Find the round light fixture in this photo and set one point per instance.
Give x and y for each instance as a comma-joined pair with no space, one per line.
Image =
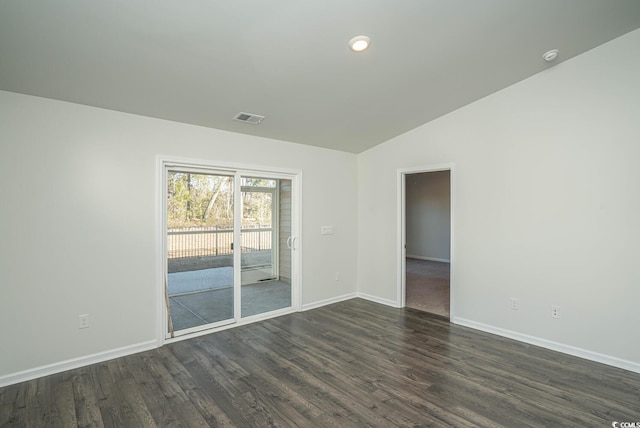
551,55
359,43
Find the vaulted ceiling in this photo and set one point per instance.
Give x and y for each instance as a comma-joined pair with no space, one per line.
203,61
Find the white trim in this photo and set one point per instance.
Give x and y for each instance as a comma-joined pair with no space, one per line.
193,331
275,235
74,363
296,232
228,167
161,259
401,295
401,292
238,210
99,357
549,344
349,296
329,301
429,259
376,299
242,321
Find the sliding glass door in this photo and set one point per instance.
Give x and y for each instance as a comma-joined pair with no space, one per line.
265,223
229,245
200,263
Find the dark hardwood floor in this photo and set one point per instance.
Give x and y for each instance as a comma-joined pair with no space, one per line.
350,364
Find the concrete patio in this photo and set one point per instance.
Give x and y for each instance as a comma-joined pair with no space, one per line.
201,289
205,307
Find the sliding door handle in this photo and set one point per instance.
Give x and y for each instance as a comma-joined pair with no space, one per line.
293,242
289,243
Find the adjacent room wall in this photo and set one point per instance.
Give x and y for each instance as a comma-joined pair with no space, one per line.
428,215
78,222
546,204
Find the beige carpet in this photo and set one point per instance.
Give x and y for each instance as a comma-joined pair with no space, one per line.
428,286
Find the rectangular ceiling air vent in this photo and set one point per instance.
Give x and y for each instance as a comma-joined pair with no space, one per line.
253,119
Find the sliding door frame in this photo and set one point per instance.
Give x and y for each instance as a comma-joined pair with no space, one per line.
237,170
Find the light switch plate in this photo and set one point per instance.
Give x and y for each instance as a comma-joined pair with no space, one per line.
326,230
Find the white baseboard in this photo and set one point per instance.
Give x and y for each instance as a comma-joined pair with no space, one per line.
329,301
74,363
349,296
377,299
430,259
99,357
549,344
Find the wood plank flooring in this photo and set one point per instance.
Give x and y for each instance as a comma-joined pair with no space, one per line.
351,364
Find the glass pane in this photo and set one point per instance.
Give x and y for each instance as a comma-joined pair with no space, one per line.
258,182
199,249
266,257
257,235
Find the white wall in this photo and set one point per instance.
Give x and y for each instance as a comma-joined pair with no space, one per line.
546,209
77,222
428,215
546,204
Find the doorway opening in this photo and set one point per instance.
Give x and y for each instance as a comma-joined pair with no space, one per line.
223,256
426,235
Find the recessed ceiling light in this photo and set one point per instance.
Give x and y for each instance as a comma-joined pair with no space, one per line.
359,43
551,55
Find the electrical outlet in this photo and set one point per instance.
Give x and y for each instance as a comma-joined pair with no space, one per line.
555,311
337,276
514,304
83,321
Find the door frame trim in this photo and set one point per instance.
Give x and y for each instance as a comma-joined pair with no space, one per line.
401,291
295,175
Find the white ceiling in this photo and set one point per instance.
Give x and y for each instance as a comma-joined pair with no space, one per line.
203,61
